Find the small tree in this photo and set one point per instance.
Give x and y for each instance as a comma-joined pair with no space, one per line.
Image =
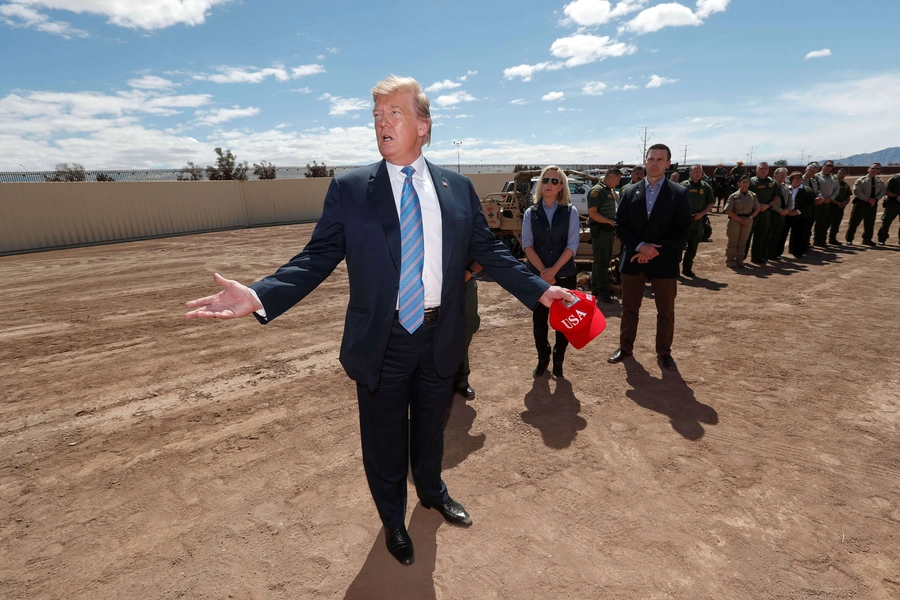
191,172
104,177
780,163
317,170
264,170
518,168
227,168
66,173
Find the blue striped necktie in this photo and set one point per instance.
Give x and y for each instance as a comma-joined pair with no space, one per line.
412,248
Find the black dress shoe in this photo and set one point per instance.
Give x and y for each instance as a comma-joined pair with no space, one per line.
400,545
882,243
618,356
687,273
835,243
541,367
557,370
466,391
870,243
606,298
666,362
453,512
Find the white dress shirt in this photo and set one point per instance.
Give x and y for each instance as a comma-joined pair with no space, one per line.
433,270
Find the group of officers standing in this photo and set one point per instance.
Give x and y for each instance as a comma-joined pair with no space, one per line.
766,215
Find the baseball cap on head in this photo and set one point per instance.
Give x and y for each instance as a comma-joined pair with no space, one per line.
580,321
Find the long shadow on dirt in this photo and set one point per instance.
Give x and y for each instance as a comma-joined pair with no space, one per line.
670,396
458,442
383,578
554,414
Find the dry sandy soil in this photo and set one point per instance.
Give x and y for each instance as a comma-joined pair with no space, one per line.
146,456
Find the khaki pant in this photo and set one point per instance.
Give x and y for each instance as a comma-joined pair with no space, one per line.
737,241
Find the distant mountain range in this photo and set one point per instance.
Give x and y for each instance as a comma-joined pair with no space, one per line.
885,157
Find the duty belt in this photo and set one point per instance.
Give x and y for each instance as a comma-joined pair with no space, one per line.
745,215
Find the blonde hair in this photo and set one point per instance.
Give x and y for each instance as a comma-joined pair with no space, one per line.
563,197
393,84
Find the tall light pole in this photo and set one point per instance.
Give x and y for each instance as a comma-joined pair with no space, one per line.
457,144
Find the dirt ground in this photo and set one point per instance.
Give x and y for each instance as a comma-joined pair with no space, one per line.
146,456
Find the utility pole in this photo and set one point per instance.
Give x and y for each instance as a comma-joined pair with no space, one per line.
685,155
458,144
801,155
750,158
645,137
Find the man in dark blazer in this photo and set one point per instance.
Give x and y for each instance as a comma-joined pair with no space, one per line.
653,223
403,369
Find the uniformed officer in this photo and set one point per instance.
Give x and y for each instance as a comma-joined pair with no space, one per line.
781,208
719,178
637,176
808,218
828,191
472,324
741,207
891,208
738,171
702,200
837,207
764,187
602,215
867,191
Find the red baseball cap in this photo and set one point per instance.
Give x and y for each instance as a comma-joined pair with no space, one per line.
580,321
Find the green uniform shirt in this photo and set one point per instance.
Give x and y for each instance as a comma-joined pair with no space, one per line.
700,193
604,200
763,188
893,184
738,172
845,192
720,172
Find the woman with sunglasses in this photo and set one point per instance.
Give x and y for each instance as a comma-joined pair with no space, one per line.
550,233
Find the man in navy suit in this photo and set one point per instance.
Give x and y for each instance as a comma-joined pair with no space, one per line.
403,365
653,222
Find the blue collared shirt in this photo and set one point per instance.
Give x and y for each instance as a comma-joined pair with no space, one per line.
574,227
652,193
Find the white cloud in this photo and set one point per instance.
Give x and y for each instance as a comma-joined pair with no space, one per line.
858,98
626,87
146,14
518,102
588,13
320,57
553,96
526,72
17,15
151,82
341,106
442,85
462,117
333,50
626,7
818,54
303,90
593,88
254,75
221,115
708,7
582,49
671,14
306,70
454,98
657,81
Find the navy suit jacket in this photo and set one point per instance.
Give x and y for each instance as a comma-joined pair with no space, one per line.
360,223
668,225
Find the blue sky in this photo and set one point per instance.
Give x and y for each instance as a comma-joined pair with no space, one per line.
156,83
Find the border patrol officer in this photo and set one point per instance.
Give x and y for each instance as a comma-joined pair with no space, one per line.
702,200
602,215
891,208
764,187
828,191
867,191
837,207
741,207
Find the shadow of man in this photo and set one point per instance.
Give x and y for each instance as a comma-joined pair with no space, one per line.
702,282
670,396
458,443
383,578
554,414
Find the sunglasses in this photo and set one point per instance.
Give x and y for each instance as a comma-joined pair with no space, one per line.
828,165
552,180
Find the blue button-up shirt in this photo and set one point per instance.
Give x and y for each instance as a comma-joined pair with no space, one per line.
651,193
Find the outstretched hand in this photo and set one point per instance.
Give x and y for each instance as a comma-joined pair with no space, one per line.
234,301
554,292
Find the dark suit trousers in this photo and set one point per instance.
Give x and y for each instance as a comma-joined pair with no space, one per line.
664,291
402,423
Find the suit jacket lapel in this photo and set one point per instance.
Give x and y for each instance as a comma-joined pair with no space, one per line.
640,201
448,216
381,196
